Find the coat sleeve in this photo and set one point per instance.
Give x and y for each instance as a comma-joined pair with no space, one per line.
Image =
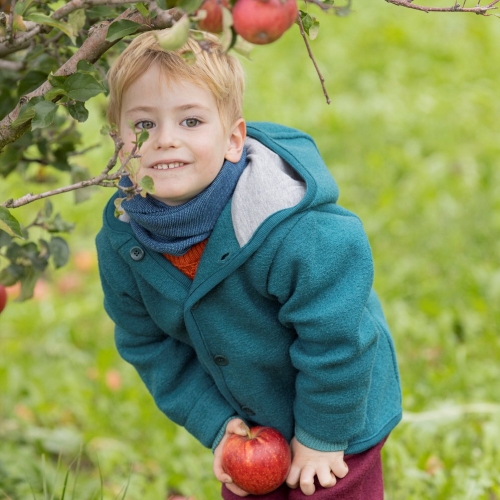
168,367
322,276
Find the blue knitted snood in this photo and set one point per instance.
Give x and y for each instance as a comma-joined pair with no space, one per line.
175,229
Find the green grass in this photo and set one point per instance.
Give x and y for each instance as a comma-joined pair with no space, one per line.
412,137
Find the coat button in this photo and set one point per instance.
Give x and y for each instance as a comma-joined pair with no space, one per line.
220,360
248,410
195,305
137,253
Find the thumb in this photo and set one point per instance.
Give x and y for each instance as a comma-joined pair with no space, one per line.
237,426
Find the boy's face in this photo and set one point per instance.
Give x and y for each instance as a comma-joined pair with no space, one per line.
187,143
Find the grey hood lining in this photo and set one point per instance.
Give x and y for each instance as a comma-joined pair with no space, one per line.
267,185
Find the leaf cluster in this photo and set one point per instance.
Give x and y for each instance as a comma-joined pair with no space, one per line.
26,261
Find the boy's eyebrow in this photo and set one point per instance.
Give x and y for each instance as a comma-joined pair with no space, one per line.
182,107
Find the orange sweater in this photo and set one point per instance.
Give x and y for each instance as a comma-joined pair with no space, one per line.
188,263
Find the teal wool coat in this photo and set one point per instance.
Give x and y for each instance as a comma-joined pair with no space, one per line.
280,325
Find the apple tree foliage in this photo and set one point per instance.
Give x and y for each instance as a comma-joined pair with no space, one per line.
53,58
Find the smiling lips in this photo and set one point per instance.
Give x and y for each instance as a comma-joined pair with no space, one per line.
167,166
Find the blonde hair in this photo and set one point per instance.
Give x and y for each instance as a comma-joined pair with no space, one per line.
220,72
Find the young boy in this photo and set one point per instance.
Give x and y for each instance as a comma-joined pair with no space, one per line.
240,290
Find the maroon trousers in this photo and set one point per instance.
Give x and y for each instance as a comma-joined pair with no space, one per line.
363,482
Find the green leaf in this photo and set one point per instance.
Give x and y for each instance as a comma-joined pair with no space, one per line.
59,251
48,208
189,6
228,37
28,282
147,184
57,81
78,111
314,30
189,56
119,29
9,223
21,7
76,20
5,239
26,114
82,86
11,275
31,81
45,112
310,24
84,66
142,138
118,207
39,18
143,10
59,225
175,37
54,93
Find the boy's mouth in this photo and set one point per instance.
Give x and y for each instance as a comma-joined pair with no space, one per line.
167,166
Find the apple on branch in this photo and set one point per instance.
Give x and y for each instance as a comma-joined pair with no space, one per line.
263,21
212,22
258,462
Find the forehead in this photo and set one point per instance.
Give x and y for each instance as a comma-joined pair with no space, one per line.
155,87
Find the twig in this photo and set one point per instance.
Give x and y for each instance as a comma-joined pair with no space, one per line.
309,51
478,9
10,22
104,179
83,151
11,65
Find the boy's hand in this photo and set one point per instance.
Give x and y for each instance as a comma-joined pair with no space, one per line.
307,463
235,426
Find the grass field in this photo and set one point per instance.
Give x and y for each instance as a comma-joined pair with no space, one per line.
412,138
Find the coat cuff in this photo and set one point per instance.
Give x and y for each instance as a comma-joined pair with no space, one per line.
314,443
222,430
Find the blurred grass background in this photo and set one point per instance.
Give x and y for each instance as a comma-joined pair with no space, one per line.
412,138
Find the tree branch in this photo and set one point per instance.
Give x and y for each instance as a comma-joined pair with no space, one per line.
481,10
91,50
104,179
309,51
11,65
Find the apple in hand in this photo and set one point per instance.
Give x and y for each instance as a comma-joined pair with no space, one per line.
213,20
3,298
258,462
263,21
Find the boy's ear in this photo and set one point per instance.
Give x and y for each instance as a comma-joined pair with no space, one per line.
237,137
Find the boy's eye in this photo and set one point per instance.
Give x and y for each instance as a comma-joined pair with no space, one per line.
144,125
191,122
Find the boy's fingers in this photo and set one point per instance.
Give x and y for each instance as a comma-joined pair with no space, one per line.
236,490
326,478
292,480
307,480
340,470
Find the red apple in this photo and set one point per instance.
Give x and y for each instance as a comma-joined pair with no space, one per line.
3,298
213,19
258,462
263,21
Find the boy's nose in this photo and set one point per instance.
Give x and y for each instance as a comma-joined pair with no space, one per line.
165,138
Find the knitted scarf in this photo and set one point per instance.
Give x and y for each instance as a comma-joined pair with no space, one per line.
175,229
